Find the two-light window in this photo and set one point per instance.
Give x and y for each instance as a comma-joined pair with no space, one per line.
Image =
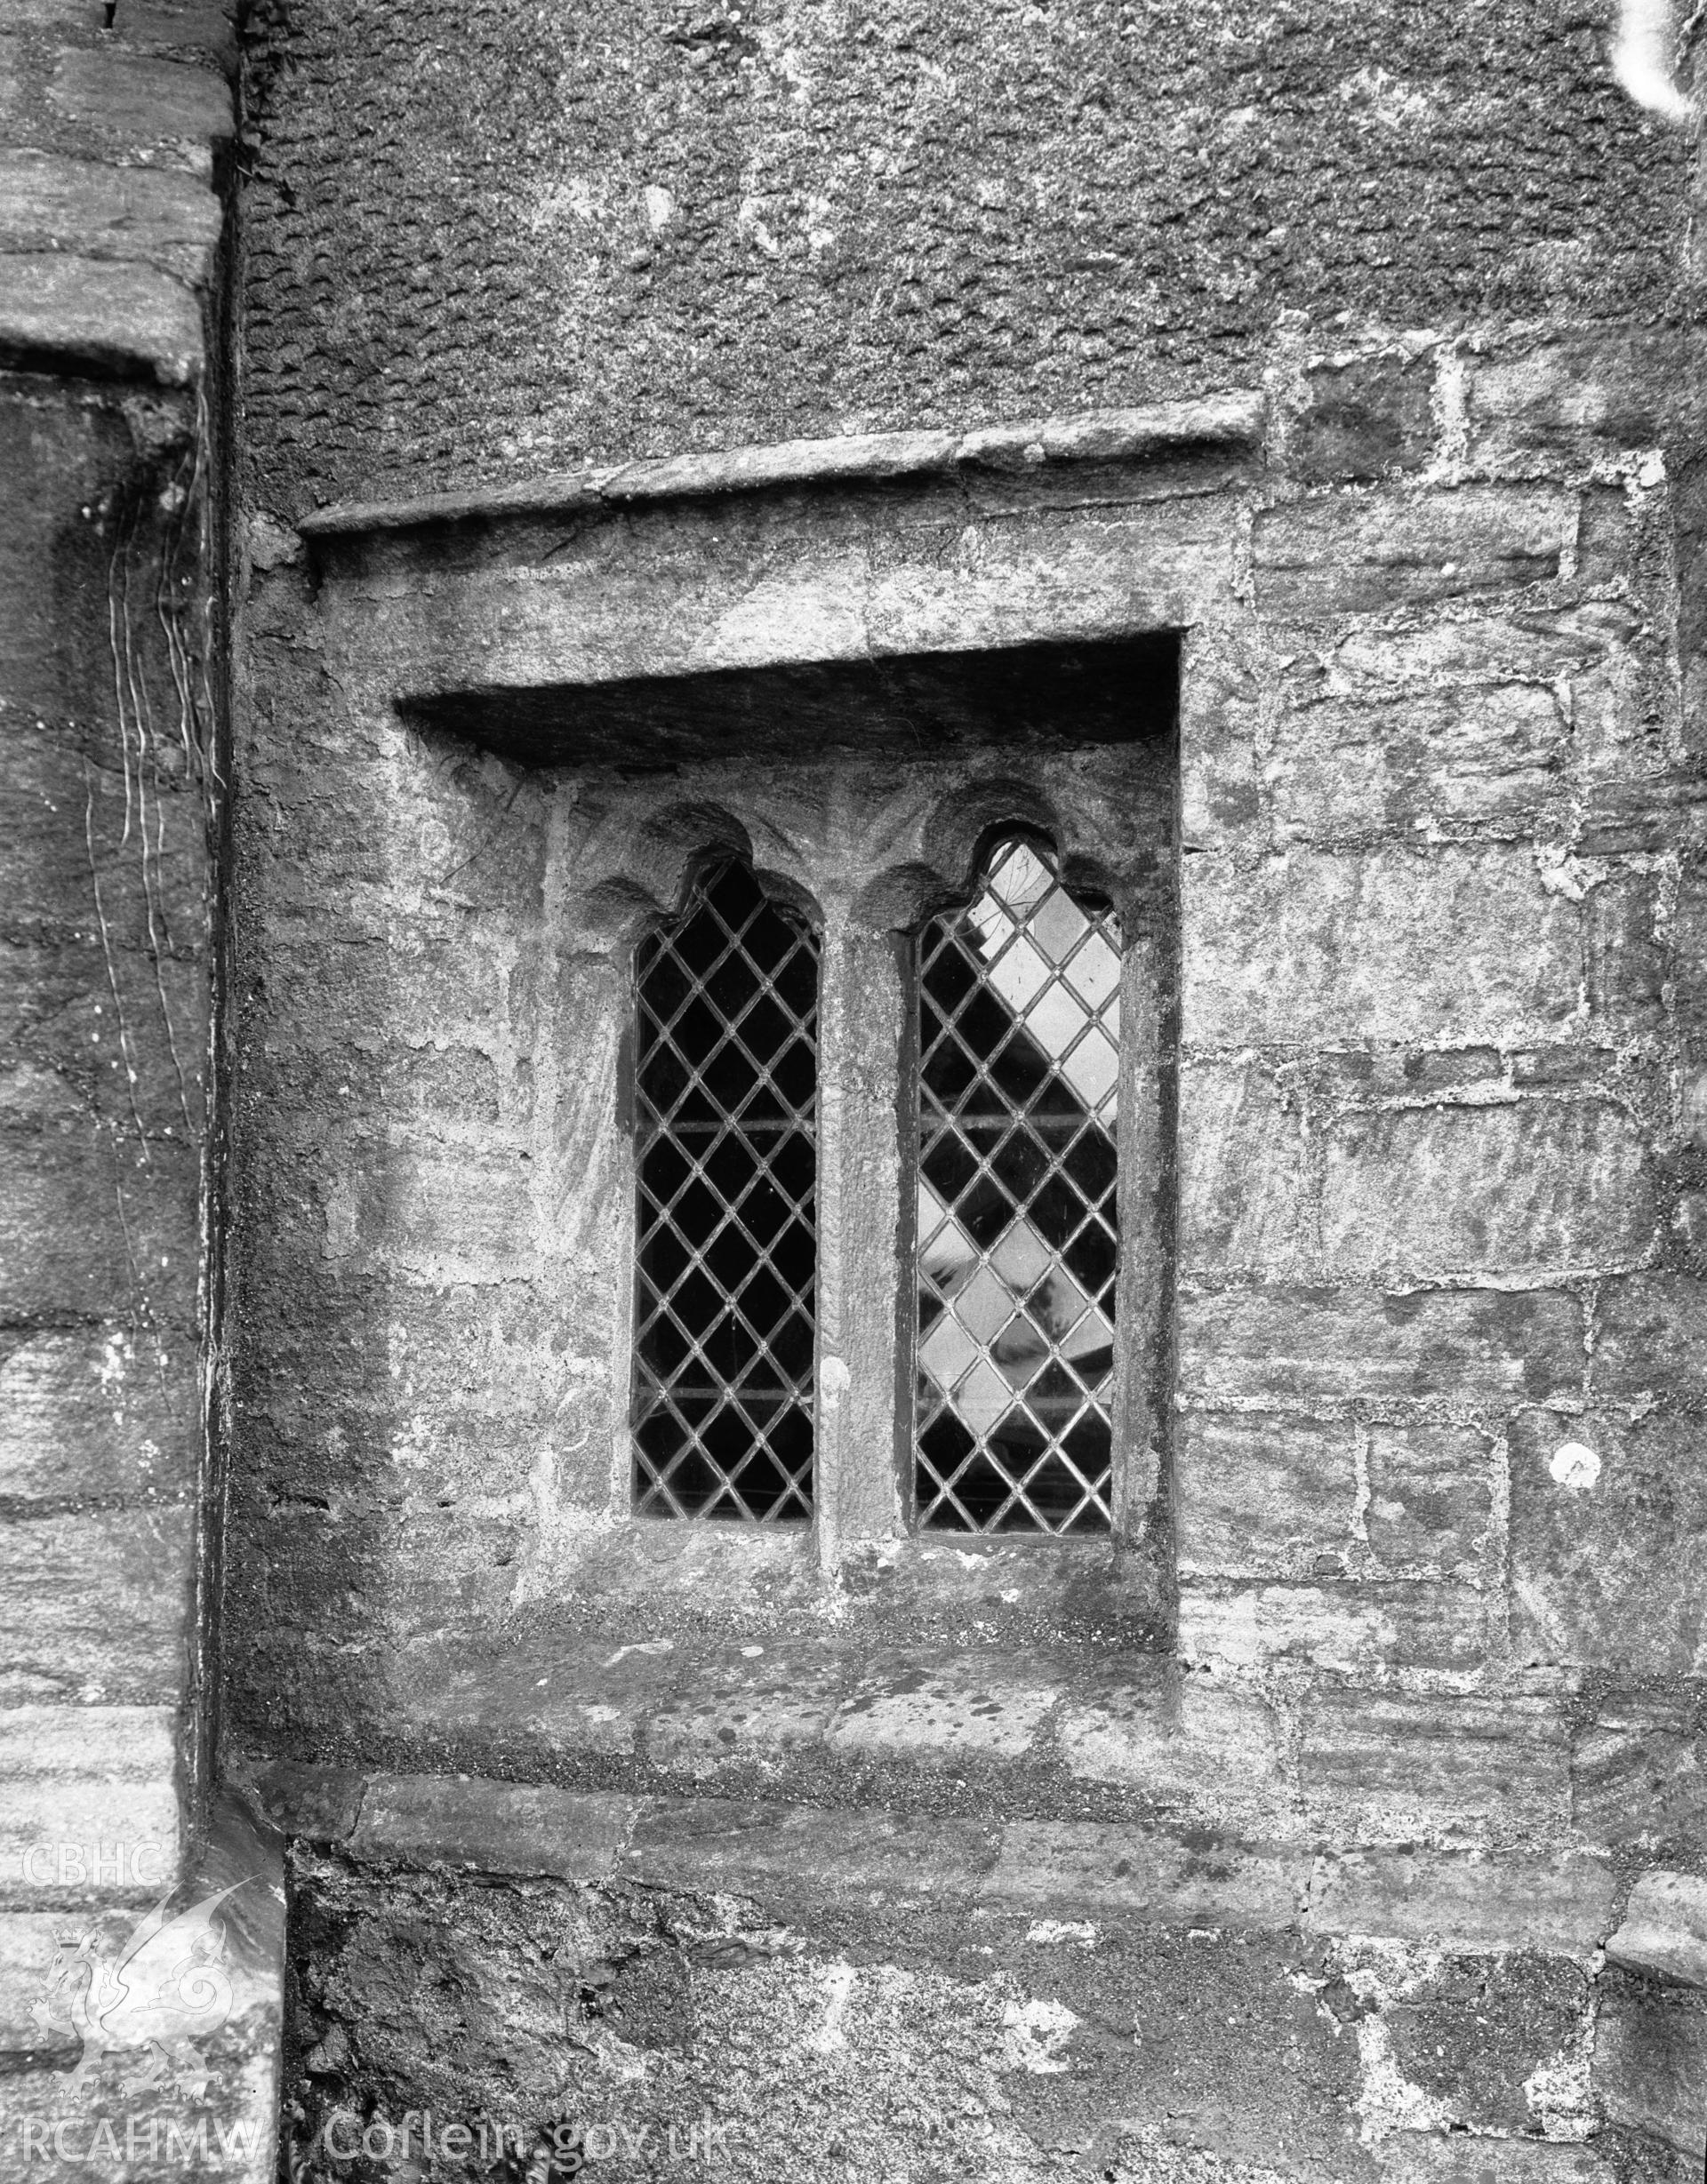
1009,1112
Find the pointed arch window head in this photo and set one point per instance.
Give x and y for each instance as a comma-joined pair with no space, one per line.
725,1114
1018,1031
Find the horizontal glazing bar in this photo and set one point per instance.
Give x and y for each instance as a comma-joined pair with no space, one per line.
654,1127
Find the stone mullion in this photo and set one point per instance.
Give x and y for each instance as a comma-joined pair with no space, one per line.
860,1019
1145,1188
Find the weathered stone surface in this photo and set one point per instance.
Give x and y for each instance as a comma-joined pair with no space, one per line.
1664,1929
1336,1625
1163,436
323,1804
822,1856
1477,1347
1609,1542
1592,394
1626,964
1638,1775
133,100
1458,645
492,1826
1490,758
88,1225
1610,545
1430,1499
586,1700
1200,1743
157,217
1263,1494
95,1413
964,1711
740,1708
486,1395
72,1837
79,867
105,691
65,458
178,26
1318,559
761,2026
1364,416
1590,228
1688,497
97,1606
1392,1767
63,16
1493,2042
57,1015
1467,1900
1219,796
1650,1338
104,317
1537,1188
1650,2066
1232,2069
1689,941
1242,1173
1141,1873
1453,945
1428,2157
676,591
448,1214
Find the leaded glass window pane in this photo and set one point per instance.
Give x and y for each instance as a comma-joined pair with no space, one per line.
725,1081
1019,1025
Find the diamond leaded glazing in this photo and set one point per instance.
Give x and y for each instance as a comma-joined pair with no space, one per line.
727,1158
1019,1059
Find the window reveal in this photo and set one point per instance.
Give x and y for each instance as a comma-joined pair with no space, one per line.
1019,1028
726,1084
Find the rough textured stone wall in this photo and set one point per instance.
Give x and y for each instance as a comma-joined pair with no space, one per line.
938,2003
487,238
109,222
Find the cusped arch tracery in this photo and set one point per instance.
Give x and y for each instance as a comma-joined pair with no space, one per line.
884,847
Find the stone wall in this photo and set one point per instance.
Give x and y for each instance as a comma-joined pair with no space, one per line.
485,242
1425,1695
1357,1831
111,125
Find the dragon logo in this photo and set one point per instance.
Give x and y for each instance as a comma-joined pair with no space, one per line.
163,1990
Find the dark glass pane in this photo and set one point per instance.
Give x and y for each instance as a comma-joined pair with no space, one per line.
948,1164
726,1159
733,986
949,1072
1089,1161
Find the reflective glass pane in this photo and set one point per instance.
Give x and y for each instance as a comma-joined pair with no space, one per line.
1019,1001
